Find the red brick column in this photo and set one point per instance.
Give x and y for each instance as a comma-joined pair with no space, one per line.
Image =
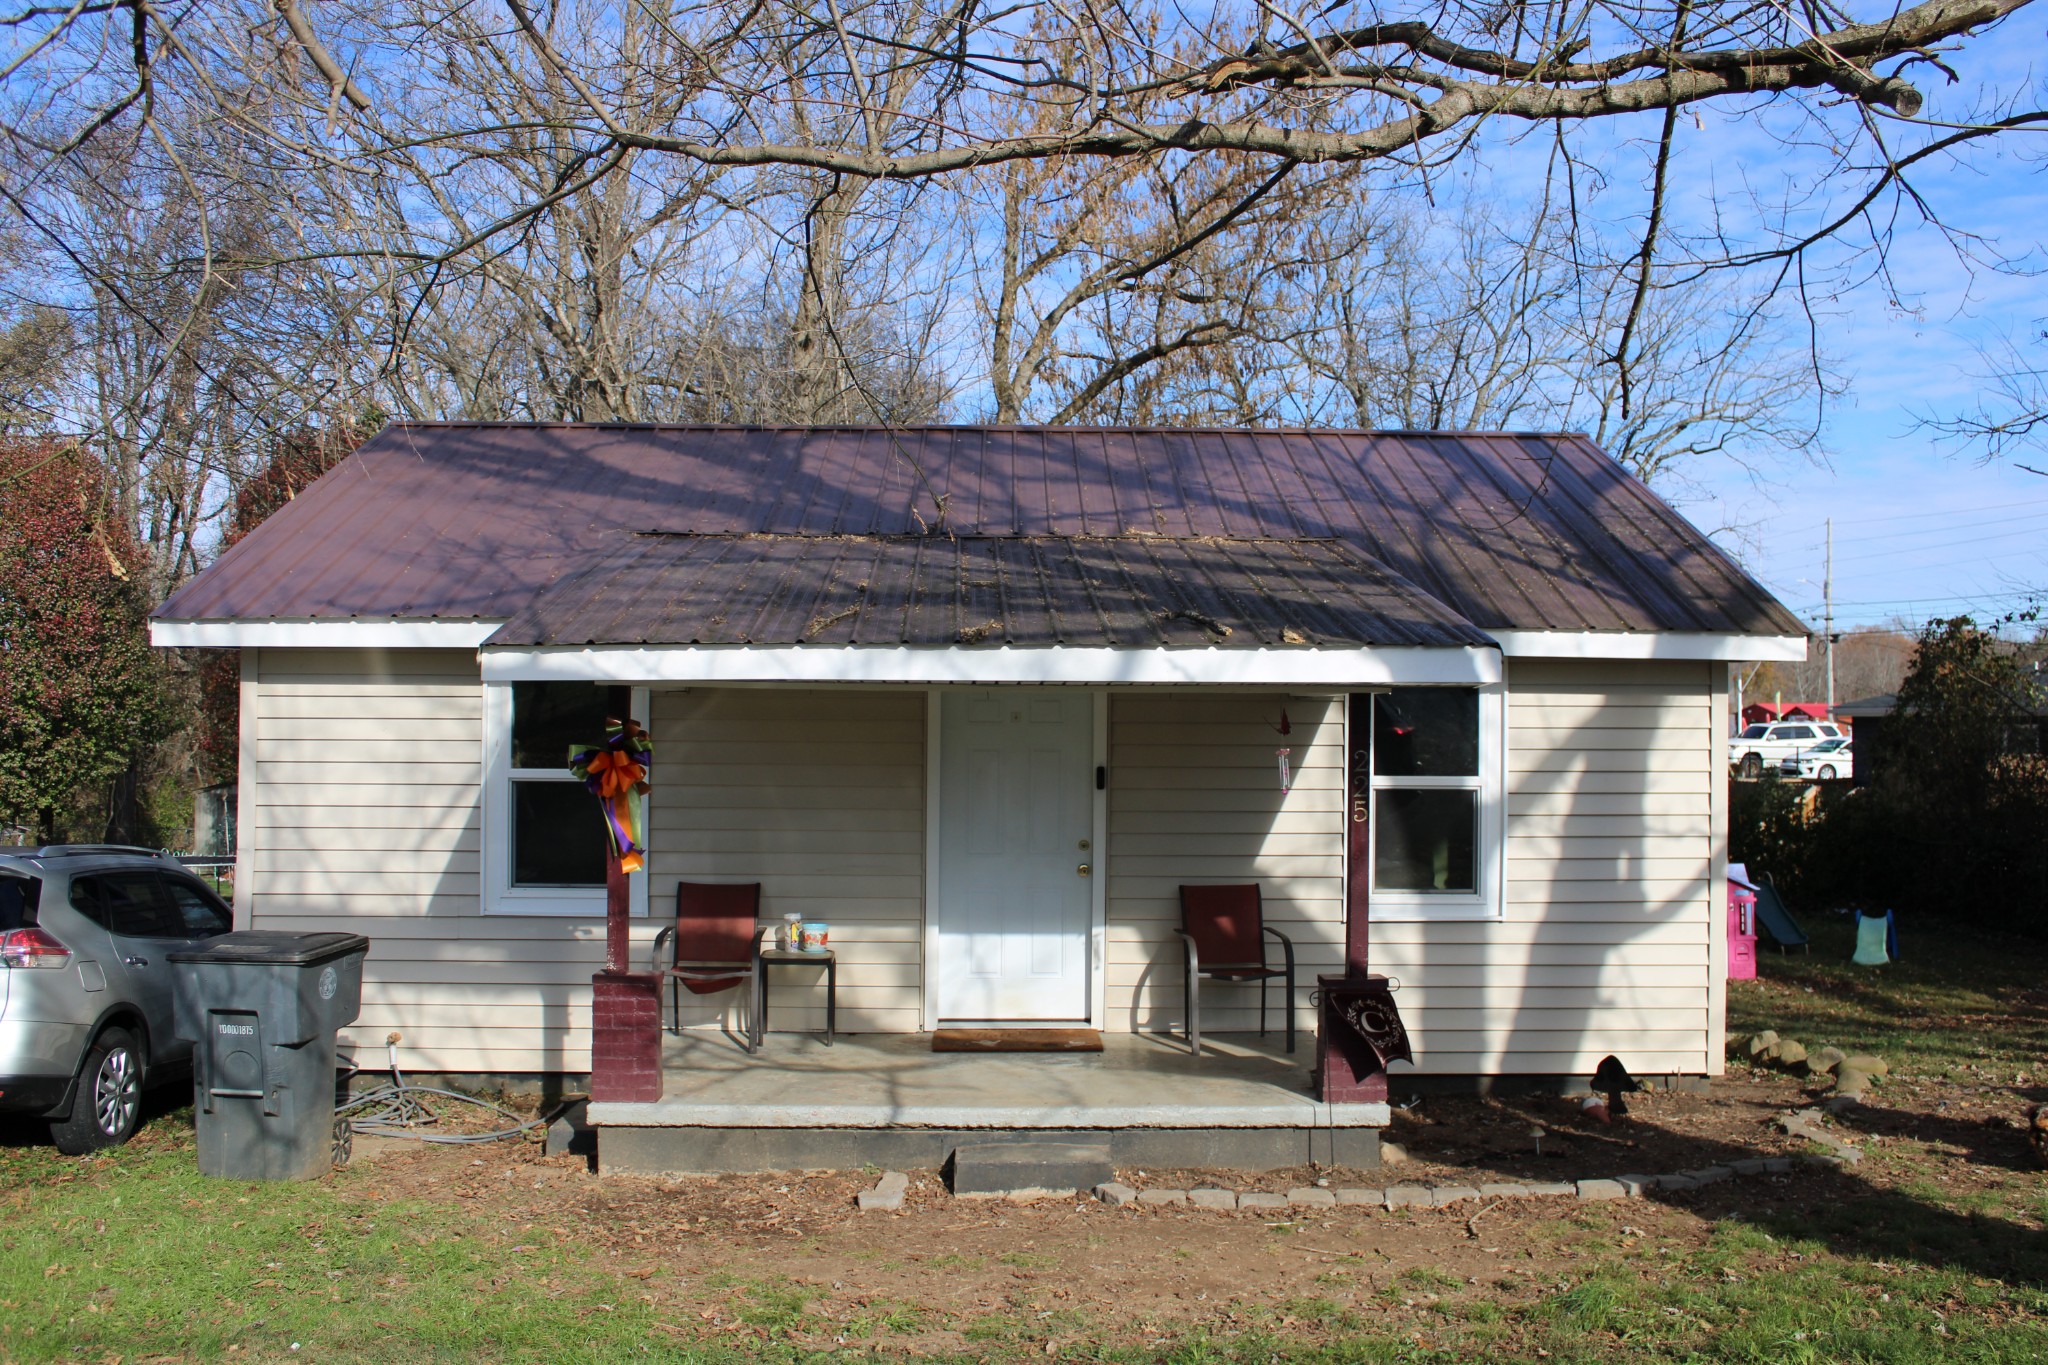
625,1037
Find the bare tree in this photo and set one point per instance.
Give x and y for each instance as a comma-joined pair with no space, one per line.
898,90
1456,322
2011,414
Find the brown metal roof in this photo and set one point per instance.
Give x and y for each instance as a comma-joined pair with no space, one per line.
1534,532
1128,592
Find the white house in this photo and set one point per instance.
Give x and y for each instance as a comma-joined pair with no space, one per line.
982,698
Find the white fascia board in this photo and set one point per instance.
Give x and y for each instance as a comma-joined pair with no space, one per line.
1098,667
350,634
1614,644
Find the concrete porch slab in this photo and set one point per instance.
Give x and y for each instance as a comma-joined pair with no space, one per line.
895,1081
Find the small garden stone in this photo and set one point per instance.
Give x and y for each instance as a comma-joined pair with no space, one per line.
887,1195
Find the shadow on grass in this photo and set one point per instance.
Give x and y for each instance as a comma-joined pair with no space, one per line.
1856,1219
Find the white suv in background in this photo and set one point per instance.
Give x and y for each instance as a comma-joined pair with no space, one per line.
1770,743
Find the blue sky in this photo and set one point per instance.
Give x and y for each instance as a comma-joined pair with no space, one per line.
1921,529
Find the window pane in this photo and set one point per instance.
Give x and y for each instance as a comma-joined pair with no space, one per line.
558,836
19,897
547,718
195,911
128,904
1426,732
1426,840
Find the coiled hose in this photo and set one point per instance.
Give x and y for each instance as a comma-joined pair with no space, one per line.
400,1109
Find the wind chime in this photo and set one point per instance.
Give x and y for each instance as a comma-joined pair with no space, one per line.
1283,729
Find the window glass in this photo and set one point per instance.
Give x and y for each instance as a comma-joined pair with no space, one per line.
1426,732
548,718
194,910
1427,840
125,903
1796,732
558,836
1756,732
19,897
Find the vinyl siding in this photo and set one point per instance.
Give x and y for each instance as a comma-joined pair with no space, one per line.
1194,796
819,796
367,768
361,811
1611,835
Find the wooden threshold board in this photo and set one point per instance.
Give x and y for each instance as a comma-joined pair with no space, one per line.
1017,1040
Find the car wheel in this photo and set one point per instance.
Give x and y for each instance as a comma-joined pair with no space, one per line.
1751,767
108,1105
1826,773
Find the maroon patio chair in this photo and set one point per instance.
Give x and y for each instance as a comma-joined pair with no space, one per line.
1225,929
716,946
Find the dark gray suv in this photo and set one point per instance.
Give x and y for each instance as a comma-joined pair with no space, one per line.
85,983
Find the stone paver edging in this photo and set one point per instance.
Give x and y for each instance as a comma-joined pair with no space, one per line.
1415,1196
887,1194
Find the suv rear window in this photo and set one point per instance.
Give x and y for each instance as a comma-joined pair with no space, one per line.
19,897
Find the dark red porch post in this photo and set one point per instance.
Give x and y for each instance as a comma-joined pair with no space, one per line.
1357,836
625,1006
1347,1070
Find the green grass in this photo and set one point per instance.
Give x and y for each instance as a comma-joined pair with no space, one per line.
136,1256
1961,1005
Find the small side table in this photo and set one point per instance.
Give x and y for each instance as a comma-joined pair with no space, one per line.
778,957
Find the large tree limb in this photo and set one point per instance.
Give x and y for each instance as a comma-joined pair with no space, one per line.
1568,91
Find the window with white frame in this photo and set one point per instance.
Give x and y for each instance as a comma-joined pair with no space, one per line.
544,840
1435,818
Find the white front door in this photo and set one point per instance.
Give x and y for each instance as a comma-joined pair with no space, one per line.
1016,810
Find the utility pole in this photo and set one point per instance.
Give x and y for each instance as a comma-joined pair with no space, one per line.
1827,592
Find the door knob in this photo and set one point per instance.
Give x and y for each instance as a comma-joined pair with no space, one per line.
1082,869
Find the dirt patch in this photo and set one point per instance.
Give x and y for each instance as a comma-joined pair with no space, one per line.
788,1256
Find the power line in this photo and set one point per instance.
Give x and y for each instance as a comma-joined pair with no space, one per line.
1949,544
1954,512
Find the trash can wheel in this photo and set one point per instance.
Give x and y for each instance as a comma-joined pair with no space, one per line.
344,1141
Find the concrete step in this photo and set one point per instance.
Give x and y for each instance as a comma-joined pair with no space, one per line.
1052,1165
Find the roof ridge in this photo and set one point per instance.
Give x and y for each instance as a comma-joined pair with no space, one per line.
1460,433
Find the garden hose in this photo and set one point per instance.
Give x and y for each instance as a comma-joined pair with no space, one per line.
400,1109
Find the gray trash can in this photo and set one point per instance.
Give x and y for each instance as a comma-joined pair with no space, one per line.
261,1010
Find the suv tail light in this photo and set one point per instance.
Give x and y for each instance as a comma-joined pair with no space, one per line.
32,948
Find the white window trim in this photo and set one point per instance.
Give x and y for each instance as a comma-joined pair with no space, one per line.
501,897
1489,901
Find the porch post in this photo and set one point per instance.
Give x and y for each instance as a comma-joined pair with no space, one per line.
1358,835
618,916
1347,1069
625,1006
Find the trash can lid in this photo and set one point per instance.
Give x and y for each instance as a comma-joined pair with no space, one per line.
273,948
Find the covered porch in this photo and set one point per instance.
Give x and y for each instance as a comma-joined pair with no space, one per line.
890,1100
